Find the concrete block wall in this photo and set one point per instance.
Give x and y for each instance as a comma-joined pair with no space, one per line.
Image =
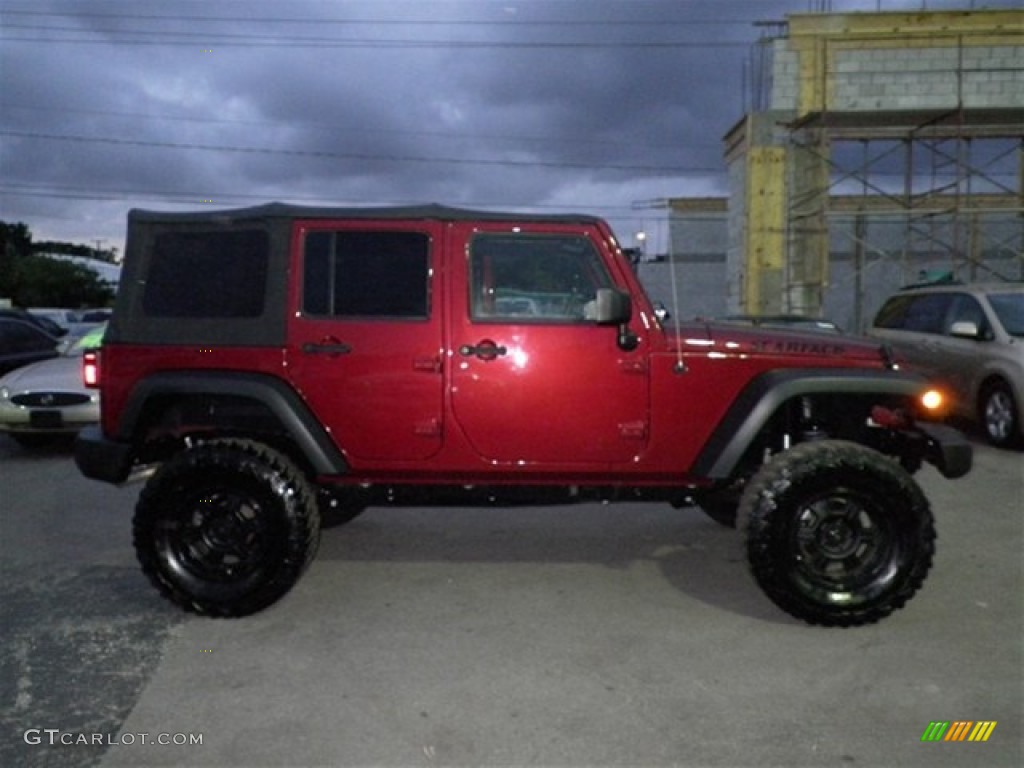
926,78
735,234
899,61
785,76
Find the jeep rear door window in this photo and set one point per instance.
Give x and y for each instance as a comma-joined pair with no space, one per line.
381,274
534,278
227,274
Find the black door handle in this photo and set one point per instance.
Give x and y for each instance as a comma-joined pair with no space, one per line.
485,350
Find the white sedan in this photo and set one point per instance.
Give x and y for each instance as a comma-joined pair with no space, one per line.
46,400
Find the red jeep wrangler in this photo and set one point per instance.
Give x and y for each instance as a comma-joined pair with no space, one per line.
277,366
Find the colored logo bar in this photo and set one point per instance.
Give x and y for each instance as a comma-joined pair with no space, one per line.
958,730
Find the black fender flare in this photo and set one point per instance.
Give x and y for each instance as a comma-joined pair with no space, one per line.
765,394
276,395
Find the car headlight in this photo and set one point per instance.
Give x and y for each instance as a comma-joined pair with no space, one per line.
5,393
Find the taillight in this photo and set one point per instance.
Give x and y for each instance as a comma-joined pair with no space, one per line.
91,368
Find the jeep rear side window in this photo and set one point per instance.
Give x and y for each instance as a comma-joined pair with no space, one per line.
367,274
534,278
207,274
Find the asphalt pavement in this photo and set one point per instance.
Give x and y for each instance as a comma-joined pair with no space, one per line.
592,635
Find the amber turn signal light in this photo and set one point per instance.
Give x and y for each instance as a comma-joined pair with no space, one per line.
932,401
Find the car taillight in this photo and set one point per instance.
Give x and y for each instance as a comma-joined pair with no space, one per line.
91,368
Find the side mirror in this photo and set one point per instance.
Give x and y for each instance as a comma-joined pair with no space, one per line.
965,329
615,307
612,307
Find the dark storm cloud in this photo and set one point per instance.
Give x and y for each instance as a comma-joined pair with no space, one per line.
591,105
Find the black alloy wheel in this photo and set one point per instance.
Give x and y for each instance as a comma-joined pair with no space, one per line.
836,533
226,528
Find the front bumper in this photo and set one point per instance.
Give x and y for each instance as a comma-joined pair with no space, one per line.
66,419
947,449
101,459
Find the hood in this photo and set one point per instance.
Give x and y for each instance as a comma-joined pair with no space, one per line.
809,347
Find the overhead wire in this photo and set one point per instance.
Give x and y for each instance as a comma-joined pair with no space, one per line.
348,155
119,35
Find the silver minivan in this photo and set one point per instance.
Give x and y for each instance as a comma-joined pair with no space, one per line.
969,338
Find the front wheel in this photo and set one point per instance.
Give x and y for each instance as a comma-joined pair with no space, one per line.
226,528
837,534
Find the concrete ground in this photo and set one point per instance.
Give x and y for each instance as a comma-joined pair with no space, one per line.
595,635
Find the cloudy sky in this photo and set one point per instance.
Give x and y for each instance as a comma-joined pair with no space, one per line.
592,106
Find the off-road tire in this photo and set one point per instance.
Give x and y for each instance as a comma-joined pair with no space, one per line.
999,415
836,534
226,528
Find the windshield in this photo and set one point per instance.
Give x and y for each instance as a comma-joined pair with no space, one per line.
1009,308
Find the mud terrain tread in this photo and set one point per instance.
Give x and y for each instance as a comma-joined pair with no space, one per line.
251,464
776,493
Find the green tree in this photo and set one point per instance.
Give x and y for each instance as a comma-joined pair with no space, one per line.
32,280
45,282
15,241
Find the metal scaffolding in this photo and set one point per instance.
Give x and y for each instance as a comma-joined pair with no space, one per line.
898,138
941,186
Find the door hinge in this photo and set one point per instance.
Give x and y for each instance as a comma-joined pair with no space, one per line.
628,365
427,428
633,430
427,364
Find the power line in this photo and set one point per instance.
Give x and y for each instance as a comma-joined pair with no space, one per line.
337,127
134,197
546,23
658,169
224,40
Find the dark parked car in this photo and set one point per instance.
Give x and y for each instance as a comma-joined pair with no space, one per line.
40,321
22,343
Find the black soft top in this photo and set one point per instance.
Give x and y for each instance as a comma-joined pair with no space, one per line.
134,322
431,212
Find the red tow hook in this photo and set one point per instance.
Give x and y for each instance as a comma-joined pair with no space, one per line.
886,417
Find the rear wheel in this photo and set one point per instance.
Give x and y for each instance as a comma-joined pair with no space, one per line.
837,534
226,528
999,415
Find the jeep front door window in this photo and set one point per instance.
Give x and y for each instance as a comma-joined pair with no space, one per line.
534,278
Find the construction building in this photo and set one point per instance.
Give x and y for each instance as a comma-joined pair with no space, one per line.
882,148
